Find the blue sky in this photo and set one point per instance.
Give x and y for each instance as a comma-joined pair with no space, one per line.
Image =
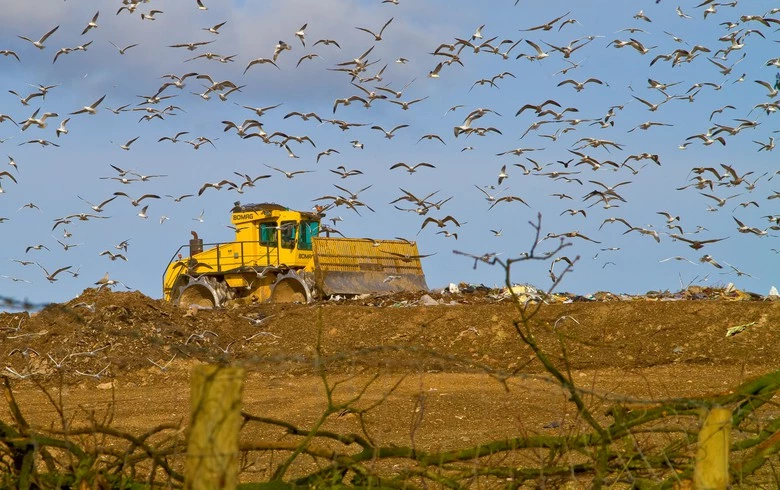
54,179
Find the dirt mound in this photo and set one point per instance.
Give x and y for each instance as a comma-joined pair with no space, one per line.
110,334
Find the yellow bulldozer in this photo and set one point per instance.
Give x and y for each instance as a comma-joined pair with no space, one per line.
278,255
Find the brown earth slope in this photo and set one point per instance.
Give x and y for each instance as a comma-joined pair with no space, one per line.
135,354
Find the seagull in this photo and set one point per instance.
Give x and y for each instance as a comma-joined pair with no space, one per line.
289,175
98,208
447,234
41,142
435,72
301,34
112,255
36,247
405,105
678,257
215,185
580,86
39,43
8,52
539,53
721,202
327,152
377,37
706,258
743,228
547,26
328,42
347,101
309,56
123,50
389,134
191,46
766,146
8,174
772,90
406,257
570,234
411,169
92,23
641,16
647,125
26,100
280,46
91,109
62,129
344,173
507,199
682,14
126,146
135,202
52,277
260,61
441,223
707,140
215,28
695,244
150,15
651,107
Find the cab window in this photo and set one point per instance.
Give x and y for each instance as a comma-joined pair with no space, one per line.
268,234
307,230
288,229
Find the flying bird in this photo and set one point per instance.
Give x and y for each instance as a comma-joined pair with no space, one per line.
39,43
377,36
91,109
92,23
411,168
53,276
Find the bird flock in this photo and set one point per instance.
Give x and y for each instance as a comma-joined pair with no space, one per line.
641,135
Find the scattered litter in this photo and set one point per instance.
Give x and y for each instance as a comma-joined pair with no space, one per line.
426,300
738,329
107,386
466,293
525,293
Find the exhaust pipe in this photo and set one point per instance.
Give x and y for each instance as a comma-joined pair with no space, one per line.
196,244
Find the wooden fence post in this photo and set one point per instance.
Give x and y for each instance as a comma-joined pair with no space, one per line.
712,452
212,448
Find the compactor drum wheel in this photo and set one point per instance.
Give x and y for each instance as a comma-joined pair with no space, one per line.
197,292
289,288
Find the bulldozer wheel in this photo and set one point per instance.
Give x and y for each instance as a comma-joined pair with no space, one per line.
197,294
289,288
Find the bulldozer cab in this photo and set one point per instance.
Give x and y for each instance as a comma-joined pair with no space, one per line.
288,234
306,231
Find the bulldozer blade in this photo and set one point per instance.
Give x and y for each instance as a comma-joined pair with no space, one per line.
343,282
359,266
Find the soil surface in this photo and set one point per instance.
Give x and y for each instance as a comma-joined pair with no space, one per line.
457,354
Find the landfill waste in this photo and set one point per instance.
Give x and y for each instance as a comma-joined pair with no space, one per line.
738,329
426,300
527,294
